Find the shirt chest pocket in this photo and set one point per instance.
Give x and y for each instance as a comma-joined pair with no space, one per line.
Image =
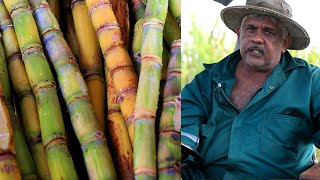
279,134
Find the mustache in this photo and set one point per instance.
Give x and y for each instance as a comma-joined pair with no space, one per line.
257,48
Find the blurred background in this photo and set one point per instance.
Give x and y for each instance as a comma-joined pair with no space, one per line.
206,39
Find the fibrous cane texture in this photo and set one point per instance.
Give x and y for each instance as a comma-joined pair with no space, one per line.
122,148
148,92
74,90
42,82
116,57
90,59
22,87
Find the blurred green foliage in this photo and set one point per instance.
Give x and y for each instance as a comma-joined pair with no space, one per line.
209,47
203,47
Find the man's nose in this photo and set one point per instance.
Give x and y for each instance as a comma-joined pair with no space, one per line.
257,37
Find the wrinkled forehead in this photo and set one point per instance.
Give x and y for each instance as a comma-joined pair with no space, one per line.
257,18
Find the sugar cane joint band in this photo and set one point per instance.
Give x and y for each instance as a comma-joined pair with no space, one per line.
256,113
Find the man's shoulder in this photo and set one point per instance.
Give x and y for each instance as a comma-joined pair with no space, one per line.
308,66
293,63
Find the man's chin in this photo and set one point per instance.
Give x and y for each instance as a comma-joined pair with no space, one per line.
255,62
258,65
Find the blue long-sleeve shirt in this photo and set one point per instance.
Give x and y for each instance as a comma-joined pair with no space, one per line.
272,137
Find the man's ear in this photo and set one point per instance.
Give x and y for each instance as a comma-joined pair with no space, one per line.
238,32
286,44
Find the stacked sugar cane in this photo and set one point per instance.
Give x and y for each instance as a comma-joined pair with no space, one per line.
102,75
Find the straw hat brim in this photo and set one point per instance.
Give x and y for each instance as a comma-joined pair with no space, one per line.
233,15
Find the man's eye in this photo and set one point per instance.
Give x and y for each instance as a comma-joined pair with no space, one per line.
269,33
250,29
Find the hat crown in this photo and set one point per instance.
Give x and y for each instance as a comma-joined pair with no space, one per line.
276,5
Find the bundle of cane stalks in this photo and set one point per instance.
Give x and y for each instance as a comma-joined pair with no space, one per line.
89,89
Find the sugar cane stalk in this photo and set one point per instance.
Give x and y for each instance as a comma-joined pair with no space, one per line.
43,85
116,57
139,9
147,95
22,88
171,30
26,164
122,147
74,90
169,152
90,60
136,50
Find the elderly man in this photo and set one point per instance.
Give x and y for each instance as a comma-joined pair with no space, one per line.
256,113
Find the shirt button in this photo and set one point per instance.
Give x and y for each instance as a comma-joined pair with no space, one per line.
271,87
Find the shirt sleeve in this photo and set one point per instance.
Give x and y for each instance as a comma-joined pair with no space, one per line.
195,110
315,106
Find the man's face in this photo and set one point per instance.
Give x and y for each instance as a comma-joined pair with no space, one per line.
262,40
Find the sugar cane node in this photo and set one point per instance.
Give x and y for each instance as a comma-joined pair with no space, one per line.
149,171
142,115
170,132
25,93
92,137
75,99
97,5
39,5
48,32
17,6
169,101
14,56
176,167
152,58
44,85
30,48
53,140
5,25
91,75
73,2
71,61
113,46
108,26
34,140
123,93
176,44
173,74
154,22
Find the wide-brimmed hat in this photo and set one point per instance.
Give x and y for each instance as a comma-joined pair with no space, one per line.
232,17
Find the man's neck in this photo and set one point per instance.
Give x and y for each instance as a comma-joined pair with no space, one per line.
248,82
247,73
